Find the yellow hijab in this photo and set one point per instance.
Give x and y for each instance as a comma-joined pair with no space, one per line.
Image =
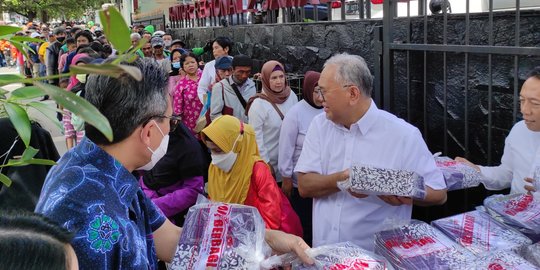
231,187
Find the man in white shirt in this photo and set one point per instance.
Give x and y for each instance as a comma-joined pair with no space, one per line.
520,146
354,131
221,46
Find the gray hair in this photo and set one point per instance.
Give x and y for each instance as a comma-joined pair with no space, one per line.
135,35
126,102
352,69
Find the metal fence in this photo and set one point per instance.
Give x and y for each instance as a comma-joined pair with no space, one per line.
424,47
462,93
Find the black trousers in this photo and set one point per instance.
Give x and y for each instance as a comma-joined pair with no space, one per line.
304,209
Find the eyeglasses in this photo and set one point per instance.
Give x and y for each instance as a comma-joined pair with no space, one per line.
174,120
320,92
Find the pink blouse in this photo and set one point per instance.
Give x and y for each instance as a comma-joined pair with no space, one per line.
186,102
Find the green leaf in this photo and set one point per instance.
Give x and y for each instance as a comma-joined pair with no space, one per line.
26,93
32,161
29,153
28,39
80,107
19,119
5,30
21,47
115,28
48,112
5,180
6,79
108,69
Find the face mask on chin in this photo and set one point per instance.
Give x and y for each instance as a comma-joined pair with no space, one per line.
226,161
61,39
158,153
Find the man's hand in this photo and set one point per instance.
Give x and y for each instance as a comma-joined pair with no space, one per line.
287,186
396,200
468,163
530,188
281,242
357,195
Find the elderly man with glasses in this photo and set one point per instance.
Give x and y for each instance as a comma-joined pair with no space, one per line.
352,130
93,193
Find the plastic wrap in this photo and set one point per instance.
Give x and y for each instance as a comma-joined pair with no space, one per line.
420,246
521,210
379,181
479,233
532,254
458,175
221,236
500,260
343,256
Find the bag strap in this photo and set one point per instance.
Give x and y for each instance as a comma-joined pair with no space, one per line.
238,95
263,96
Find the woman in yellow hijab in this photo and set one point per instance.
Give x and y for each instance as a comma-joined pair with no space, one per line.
239,175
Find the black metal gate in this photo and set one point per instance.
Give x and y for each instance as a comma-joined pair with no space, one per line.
457,78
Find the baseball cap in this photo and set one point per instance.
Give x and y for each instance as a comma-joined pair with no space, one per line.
35,35
223,62
157,41
177,41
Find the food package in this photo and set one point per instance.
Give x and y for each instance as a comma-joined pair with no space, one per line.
343,256
531,253
221,236
420,246
458,175
379,181
480,233
520,210
500,260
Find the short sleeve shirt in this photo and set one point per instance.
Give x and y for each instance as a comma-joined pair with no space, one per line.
378,139
99,200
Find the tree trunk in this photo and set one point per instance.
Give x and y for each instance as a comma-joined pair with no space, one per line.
31,15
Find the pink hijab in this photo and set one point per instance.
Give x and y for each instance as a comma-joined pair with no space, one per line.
76,59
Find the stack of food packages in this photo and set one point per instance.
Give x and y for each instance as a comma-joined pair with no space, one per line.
221,236
343,256
458,175
420,246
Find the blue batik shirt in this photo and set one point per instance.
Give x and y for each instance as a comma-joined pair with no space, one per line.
93,195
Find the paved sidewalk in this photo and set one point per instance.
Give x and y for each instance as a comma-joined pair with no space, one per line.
45,122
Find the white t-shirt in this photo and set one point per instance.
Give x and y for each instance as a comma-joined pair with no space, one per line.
266,121
379,139
516,163
208,76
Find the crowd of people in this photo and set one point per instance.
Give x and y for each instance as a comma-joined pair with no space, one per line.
190,129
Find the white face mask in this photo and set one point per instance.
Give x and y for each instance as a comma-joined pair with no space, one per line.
81,78
227,160
167,43
158,153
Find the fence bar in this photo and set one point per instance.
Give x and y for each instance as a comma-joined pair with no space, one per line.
388,55
426,136
409,114
480,49
343,6
490,86
516,65
445,81
368,8
466,95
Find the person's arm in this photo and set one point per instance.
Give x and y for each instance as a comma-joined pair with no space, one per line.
216,101
182,198
313,185
268,196
287,146
204,82
257,115
166,239
281,242
496,177
50,63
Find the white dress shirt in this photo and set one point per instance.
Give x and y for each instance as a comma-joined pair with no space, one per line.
207,78
379,139
516,163
266,121
291,138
